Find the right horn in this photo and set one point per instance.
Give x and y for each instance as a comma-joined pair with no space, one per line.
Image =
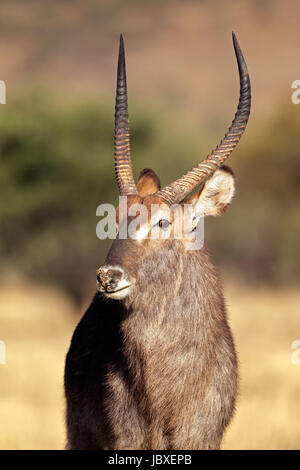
179,189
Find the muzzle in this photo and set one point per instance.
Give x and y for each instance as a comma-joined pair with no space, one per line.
112,282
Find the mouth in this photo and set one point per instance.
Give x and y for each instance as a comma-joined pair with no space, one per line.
118,294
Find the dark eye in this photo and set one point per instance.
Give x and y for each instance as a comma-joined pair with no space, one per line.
163,224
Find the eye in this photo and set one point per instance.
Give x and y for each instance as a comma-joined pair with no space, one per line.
163,224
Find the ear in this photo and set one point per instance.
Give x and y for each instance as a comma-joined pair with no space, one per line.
148,182
216,194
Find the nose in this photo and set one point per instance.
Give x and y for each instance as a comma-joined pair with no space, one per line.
109,278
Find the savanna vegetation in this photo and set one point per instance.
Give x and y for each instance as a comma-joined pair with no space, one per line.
56,161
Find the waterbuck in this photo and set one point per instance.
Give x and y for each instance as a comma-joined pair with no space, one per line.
152,363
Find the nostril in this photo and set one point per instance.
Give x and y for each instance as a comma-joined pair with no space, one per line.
112,284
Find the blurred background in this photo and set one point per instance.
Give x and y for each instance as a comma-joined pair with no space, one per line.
58,59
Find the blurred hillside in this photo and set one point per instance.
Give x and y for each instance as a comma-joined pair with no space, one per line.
56,155
178,53
57,166
56,146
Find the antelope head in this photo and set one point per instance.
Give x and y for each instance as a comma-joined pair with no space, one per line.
119,275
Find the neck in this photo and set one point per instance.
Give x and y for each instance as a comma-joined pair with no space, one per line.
172,302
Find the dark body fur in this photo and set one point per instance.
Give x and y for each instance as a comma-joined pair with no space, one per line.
157,370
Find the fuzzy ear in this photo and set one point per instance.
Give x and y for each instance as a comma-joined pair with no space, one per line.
216,194
148,182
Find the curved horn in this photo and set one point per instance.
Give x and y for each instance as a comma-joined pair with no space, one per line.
179,189
123,165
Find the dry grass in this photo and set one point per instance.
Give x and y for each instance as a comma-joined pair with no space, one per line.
37,324
265,323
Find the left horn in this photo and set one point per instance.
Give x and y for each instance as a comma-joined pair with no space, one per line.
179,189
123,165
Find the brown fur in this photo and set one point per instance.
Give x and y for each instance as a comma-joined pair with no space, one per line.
158,369
148,182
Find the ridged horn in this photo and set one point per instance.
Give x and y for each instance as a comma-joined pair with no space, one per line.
179,189
123,165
